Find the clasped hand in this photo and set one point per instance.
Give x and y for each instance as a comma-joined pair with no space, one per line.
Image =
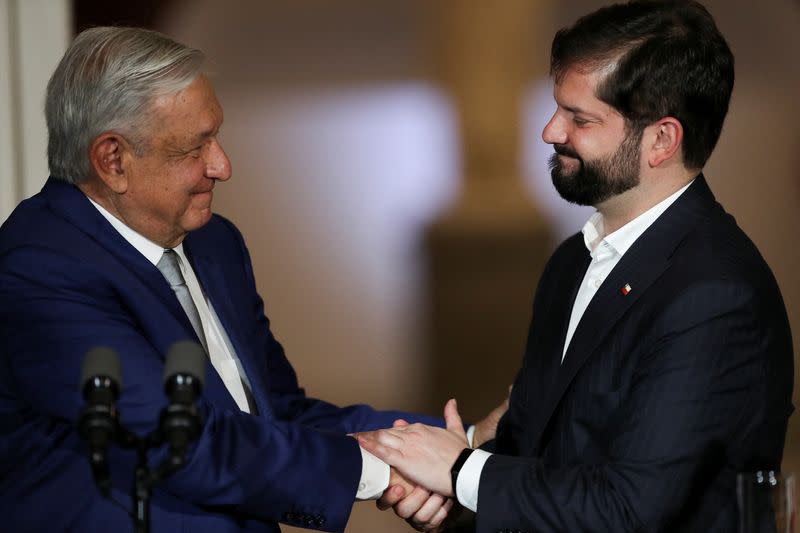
423,455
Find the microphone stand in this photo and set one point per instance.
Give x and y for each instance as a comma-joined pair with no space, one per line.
179,423
144,479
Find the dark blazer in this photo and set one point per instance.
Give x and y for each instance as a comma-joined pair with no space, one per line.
664,394
69,282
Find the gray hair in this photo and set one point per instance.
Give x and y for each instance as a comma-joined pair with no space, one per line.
107,81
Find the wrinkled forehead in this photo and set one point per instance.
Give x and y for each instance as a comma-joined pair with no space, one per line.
190,114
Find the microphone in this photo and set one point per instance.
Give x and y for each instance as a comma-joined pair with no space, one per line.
184,373
100,382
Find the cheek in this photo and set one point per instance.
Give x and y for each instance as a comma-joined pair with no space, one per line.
594,145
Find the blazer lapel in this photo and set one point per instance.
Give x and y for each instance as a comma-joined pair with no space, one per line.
70,203
214,279
557,315
641,265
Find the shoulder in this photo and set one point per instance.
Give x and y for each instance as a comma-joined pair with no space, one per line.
718,249
221,240
716,270
219,236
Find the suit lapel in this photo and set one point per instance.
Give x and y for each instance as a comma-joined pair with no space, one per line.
543,353
640,267
558,313
215,282
70,203
119,255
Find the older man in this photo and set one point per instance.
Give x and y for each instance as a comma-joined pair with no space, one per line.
659,358
121,249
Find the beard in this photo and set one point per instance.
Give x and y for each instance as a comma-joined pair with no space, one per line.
597,180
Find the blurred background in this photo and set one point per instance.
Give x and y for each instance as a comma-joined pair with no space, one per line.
390,179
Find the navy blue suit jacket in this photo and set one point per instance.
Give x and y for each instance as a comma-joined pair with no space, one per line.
664,394
69,282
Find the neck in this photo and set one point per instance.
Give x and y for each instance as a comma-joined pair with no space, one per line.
622,208
110,201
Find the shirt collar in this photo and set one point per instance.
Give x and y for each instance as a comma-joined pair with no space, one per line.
145,246
622,239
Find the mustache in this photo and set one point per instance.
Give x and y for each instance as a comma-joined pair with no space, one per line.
554,164
563,149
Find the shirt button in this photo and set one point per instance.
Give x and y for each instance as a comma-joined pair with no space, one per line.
362,486
598,282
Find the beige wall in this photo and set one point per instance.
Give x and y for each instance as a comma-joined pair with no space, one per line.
33,37
344,147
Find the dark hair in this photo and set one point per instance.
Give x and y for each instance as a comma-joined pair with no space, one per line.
669,59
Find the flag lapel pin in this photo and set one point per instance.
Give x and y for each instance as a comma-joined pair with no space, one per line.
625,290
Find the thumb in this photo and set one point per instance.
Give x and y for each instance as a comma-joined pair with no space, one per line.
452,418
399,423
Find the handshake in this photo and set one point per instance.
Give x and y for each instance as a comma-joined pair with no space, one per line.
421,489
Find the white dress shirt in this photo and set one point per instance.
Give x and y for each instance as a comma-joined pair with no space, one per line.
374,472
606,251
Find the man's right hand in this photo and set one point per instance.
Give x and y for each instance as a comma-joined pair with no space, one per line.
423,510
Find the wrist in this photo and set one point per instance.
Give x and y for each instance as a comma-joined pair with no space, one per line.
457,466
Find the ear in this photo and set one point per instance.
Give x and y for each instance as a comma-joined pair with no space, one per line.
107,155
667,137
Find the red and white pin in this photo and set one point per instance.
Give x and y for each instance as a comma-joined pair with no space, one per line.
625,290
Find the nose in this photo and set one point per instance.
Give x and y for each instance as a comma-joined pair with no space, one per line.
218,166
554,131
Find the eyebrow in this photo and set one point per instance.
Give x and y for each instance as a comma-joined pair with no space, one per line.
203,135
578,111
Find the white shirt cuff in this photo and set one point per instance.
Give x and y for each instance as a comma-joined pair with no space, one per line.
471,436
469,478
374,477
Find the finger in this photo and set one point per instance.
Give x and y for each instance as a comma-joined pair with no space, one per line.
428,509
385,453
452,418
399,423
440,515
393,438
412,503
390,497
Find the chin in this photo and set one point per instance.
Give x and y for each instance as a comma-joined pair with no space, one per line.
198,219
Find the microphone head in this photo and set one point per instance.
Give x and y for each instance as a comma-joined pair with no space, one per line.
186,357
101,361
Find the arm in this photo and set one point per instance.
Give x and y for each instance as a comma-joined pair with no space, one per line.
699,385
426,511
53,309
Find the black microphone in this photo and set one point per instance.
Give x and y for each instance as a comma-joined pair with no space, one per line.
184,374
100,382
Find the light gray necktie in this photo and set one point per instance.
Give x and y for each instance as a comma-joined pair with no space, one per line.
169,267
